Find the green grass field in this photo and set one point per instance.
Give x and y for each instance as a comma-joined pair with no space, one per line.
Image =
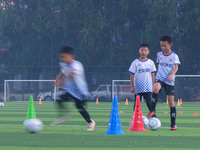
73,135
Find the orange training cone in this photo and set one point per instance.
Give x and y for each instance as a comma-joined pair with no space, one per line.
97,101
178,103
181,101
137,123
40,101
126,101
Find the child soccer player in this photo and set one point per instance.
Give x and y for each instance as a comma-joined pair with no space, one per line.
72,80
168,62
143,76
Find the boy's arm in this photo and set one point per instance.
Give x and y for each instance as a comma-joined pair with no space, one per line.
153,78
132,83
171,77
57,82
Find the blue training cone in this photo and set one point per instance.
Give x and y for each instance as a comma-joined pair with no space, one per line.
114,126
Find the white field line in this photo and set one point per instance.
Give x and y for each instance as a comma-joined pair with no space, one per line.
107,126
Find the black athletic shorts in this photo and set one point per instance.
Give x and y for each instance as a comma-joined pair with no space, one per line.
147,96
66,97
169,89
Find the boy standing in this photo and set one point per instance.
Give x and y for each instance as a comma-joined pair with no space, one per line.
143,76
72,80
168,62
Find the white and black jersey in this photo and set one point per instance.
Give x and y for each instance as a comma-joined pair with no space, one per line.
166,66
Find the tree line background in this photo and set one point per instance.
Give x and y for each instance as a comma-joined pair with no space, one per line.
105,33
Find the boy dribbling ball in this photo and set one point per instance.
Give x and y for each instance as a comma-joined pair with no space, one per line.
73,84
168,63
142,76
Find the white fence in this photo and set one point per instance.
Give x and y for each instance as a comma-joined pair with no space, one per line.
187,87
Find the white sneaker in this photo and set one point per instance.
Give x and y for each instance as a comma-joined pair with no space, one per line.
91,126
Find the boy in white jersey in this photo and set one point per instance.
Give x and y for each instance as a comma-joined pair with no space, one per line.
142,76
73,84
168,62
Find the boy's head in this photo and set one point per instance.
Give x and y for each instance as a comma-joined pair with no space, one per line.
166,43
144,50
66,54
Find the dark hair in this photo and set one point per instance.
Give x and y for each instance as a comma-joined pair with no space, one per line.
144,45
66,49
166,38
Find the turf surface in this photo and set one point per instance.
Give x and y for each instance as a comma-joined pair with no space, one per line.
73,135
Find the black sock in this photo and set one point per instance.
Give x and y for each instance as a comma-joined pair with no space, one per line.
134,102
134,107
154,101
149,103
85,115
80,105
173,116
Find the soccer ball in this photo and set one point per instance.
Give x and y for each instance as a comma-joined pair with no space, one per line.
154,124
1,104
33,125
145,121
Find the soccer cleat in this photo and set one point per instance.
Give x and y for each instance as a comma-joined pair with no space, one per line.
151,114
91,126
173,128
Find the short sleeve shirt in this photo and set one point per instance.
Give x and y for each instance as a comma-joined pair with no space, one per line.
143,78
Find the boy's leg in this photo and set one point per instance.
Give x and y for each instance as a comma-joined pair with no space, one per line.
170,96
63,112
60,101
156,89
172,110
134,105
135,100
148,98
80,105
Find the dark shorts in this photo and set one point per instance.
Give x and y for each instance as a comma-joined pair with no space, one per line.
169,89
66,97
147,96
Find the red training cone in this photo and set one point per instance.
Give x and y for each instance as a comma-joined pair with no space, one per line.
195,114
137,123
179,112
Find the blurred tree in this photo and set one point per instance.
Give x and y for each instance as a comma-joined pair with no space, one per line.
106,33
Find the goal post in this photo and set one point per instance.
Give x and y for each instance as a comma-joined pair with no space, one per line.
187,88
20,90
122,89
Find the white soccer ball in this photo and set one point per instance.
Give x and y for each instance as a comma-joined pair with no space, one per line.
154,124
33,125
145,121
1,104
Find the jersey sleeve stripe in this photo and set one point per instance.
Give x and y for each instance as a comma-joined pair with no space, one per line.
153,71
177,64
131,72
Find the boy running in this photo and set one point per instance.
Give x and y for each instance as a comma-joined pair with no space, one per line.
72,81
168,62
143,76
